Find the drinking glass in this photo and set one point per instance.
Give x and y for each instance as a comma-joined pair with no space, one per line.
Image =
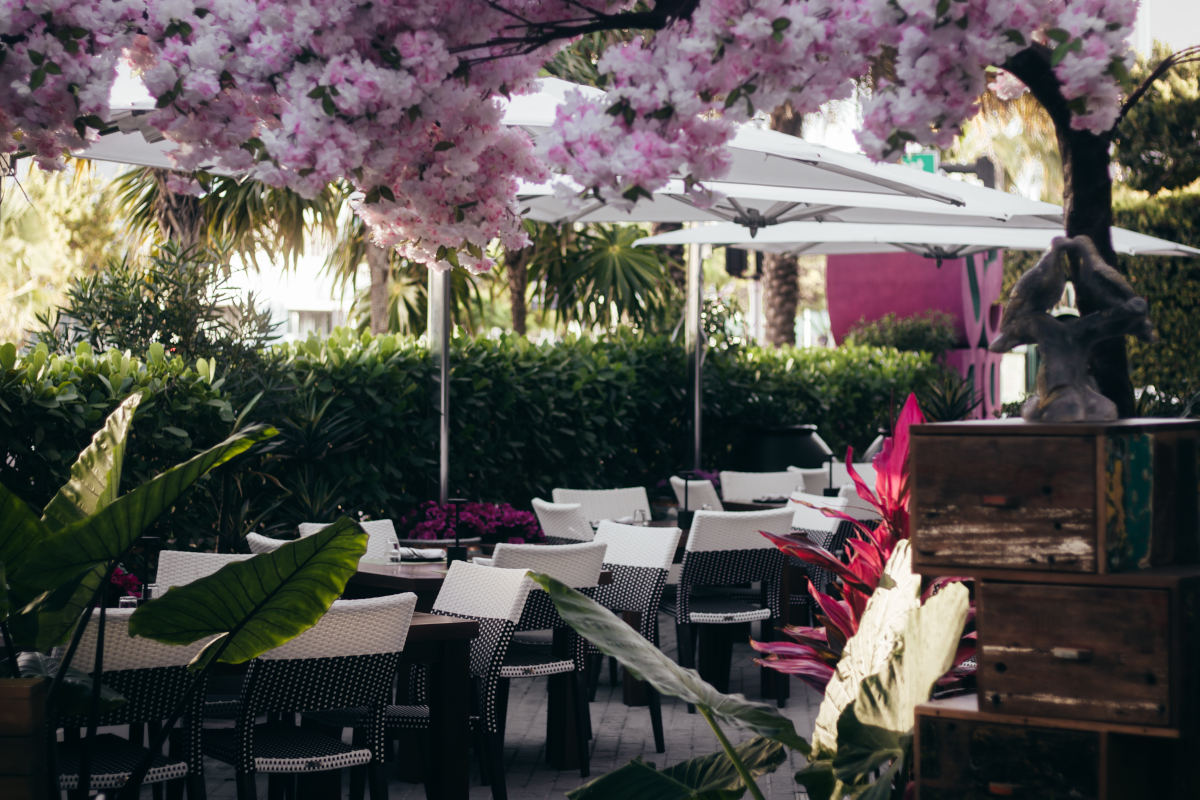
128,601
639,517
394,554
150,591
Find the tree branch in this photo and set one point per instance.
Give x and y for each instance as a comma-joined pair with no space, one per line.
1188,55
1032,67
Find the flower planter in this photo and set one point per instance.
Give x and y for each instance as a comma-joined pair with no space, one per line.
23,738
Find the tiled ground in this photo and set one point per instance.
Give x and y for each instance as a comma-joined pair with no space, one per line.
620,734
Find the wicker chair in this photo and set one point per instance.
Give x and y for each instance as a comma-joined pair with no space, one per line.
181,567
693,495
830,533
745,487
563,523
263,544
381,535
835,475
155,681
347,660
598,504
639,559
725,548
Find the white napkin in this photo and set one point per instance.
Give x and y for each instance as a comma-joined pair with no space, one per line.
422,553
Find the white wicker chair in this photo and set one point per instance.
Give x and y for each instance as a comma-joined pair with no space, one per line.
347,660
578,566
563,523
693,495
639,559
181,567
835,474
263,544
725,548
598,504
381,534
746,487
830,533
155,681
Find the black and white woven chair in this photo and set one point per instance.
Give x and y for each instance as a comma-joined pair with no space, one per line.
639,559
725,549
263,544
817,480
181,567
828,532
563,523
695,494
381,535
496,598
598,504
564,659
155,681
746,487
347,660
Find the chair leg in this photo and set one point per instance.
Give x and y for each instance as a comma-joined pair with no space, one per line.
594,662
246,788
612,671
583,727
277,787
655,705
377,778
715,652
685,645
494,753
196,790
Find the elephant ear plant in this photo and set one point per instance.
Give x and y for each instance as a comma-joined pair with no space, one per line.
58,565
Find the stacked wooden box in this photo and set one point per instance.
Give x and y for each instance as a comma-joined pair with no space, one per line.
1083,541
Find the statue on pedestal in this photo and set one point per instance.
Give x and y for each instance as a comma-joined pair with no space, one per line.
1066,391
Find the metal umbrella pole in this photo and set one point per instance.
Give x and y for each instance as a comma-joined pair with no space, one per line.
694,339
438,332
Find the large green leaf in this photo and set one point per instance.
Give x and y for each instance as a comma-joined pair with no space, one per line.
59,579
867,651
711,777
644,661
96,474
877,727
255,605
21,531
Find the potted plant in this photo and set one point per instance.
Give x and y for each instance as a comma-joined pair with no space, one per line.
59,564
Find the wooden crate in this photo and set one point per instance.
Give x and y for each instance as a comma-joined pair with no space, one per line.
961,753
1089,498
1115,649
23,738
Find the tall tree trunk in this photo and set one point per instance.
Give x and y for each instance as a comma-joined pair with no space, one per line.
673,255
781,272
179,215
1087,209
517,264
379,265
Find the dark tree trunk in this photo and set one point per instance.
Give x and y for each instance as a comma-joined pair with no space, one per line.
379,265
517,264
1087,208
179,216
673,255
781,272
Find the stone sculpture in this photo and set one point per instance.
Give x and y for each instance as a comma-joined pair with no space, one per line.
1066,391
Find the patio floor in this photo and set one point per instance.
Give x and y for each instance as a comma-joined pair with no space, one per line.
620,734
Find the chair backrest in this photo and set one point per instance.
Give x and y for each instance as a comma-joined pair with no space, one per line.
181,567
263,544
841,475
815,479
496,598
737,530
598,504
725,547
123,651
639,559
381,533
576,565
806,512
695,494
562,522
749,486
353,628
637,546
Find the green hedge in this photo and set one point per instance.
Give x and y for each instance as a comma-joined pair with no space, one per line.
358,423
1171,286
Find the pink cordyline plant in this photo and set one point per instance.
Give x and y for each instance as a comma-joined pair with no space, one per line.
814,652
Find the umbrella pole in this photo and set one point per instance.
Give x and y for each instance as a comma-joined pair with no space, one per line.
438,331
695,344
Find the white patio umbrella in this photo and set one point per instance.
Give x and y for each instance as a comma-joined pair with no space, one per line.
946,240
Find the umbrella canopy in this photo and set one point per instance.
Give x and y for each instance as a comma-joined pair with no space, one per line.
947,240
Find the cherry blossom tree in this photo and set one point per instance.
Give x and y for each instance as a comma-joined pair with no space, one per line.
404,98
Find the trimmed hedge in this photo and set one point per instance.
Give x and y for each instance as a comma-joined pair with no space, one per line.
358,424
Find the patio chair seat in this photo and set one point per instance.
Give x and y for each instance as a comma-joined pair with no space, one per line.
285,748
720,610
525,660
113,761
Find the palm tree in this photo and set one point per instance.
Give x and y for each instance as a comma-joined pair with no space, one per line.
781,271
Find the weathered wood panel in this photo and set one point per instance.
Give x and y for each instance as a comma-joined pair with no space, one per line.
1082,652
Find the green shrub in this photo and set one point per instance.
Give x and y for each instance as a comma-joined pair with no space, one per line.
928,332
359,429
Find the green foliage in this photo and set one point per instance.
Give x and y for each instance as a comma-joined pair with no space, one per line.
928,332
358,428
1157,142
253,606
1172,288
948,397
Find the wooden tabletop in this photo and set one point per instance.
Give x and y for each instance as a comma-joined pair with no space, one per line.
439,627
413,576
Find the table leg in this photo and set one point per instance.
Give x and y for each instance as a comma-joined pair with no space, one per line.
449,722
633,692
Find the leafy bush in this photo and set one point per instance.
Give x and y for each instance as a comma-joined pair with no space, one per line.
928,332
358,425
